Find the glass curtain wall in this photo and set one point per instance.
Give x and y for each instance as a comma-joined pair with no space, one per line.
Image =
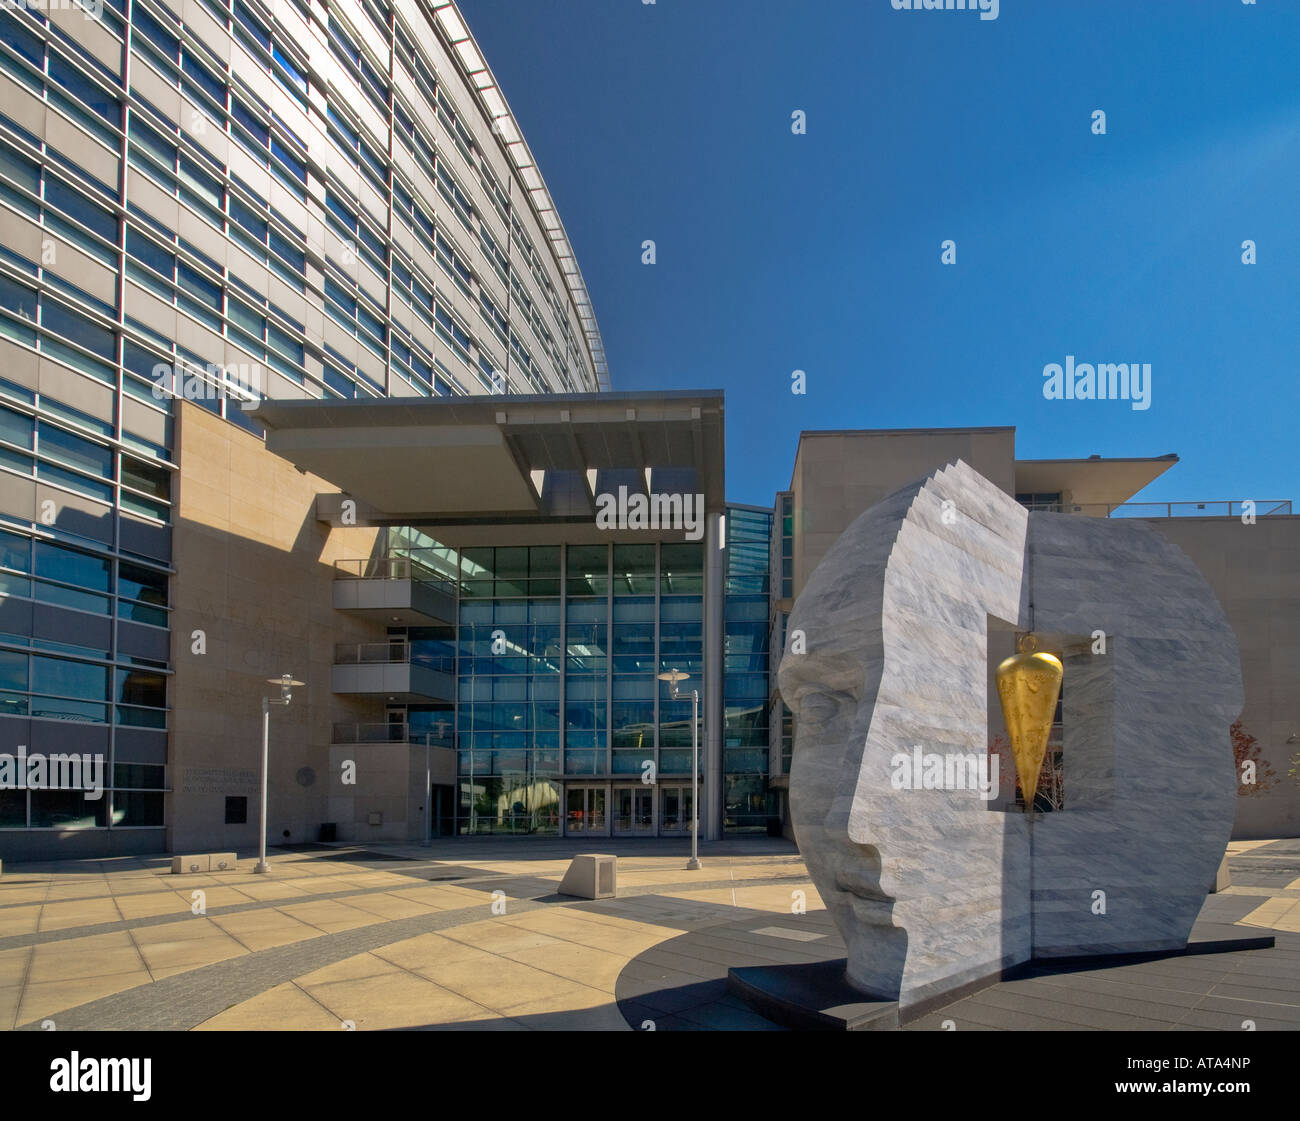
559,647
508,720
746,800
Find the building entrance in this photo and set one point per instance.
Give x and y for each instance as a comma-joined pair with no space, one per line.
634,811
584,811
674,809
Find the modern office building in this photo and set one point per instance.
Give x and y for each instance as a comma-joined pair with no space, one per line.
202,202
434,512
515,631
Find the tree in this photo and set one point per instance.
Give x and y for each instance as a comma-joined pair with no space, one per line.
1250,763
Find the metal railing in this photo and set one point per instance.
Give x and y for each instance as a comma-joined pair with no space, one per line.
1219,508
394,652
367,653
390,733
392,568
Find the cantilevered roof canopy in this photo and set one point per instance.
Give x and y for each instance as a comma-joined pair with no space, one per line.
448,460
1093,481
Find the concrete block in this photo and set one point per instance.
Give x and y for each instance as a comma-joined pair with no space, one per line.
591,876
1221,877
223,862
196,863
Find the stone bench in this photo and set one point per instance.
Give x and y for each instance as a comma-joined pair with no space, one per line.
205,862
591,876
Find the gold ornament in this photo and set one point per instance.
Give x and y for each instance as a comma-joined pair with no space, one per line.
1029,684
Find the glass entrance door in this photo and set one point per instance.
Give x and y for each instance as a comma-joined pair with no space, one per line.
674,809
634,810
584,810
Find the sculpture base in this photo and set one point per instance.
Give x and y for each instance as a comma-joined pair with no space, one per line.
818,997
812,996
1207,938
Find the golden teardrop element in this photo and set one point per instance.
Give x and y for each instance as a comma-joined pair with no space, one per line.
1028,686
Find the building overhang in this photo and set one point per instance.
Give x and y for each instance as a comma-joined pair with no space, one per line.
1090,482
483,459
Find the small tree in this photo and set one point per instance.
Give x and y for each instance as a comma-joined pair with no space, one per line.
1250,762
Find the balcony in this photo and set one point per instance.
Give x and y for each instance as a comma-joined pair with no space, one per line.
394,590
387,669
1221,508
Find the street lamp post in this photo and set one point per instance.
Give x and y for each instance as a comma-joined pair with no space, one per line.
286,683
428,792
674,677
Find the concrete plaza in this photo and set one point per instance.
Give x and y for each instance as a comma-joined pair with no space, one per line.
471,934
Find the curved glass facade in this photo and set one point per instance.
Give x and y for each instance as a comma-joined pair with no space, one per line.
216,200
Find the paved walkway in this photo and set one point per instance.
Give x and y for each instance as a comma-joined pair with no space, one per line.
470,934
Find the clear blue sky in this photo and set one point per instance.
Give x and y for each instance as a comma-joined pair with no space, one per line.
671,121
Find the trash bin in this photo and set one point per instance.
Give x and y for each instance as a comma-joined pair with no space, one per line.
327,831
774,827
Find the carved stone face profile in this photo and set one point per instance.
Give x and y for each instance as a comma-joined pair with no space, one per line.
930,887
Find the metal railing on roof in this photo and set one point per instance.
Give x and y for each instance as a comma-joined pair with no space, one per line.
1220,508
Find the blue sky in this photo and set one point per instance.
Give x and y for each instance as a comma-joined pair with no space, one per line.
672,121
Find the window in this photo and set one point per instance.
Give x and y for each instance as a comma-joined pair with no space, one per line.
19,301
252,26
196,284
139,776
500,263
201,190
246,121
1041,501
71,566
166,44
60,677
452,333
73,326
296,177
68,809
451,191
146,477
453,264
13,670
23,41
136,808
16,428
289,77
237,810
142,595
105,112
588,570
140,687
201,78
75,205
139,365
74,451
